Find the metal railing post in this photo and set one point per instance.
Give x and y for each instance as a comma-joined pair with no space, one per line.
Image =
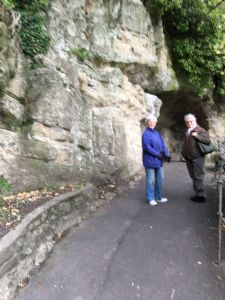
220,192
220,204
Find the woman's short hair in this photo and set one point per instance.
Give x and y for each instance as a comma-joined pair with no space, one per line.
151,117
188,116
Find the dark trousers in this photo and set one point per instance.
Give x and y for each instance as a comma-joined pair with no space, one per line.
196,169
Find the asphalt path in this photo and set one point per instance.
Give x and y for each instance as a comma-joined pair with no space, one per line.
130,250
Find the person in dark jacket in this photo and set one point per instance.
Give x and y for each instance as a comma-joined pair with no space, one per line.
195,160
154,150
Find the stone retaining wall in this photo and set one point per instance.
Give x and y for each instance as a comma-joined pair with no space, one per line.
28,245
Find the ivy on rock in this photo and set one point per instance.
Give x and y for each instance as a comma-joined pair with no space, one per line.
34,37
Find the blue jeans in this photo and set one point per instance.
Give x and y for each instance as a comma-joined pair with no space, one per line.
154,181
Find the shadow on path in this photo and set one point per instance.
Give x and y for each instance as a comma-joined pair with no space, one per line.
129,250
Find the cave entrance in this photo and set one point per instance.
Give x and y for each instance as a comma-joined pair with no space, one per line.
171,120
176,105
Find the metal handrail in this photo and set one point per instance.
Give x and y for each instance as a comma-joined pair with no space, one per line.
220,180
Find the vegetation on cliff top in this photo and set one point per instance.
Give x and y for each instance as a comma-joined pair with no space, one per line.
196,34
195,29
35,39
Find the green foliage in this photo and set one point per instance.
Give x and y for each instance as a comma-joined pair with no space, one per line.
162,6
154,70
196,31
2,86
29,5
9,4
35,39
85,55
82,54
4,185
97,60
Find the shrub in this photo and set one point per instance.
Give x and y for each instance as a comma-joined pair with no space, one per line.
4,185
196,30
82,54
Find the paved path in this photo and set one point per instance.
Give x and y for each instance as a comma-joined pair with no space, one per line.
129,250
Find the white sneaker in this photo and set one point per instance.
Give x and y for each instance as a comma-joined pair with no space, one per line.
153,203
162,200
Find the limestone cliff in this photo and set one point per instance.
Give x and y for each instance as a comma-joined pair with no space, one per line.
80,116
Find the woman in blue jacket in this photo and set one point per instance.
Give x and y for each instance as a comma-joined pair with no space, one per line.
154,152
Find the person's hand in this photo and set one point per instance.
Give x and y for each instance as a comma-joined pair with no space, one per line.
168,159
194,134
159,156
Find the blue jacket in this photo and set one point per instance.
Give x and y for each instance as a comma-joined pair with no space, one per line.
152,144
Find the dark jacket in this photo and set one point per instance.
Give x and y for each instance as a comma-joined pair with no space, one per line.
152,146
190,148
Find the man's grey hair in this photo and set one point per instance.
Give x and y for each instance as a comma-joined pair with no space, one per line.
188,116
151,117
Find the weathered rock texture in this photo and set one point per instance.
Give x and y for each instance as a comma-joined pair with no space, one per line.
80,116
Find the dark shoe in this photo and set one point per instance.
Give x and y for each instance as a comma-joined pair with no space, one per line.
193,197
198,199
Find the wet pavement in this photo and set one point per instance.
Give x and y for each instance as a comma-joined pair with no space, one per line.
130,250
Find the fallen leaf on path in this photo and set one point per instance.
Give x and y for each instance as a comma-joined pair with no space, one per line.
172,294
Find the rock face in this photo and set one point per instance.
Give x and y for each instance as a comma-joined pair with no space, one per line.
80,116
